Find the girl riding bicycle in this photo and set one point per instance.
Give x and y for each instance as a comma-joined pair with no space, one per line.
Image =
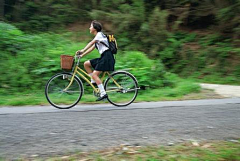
106,61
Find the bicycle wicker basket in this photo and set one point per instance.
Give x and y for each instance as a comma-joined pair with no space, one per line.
67,62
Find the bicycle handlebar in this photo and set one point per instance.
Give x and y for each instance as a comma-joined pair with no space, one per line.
76,57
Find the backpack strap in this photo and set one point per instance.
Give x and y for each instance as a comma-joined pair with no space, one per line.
104,44
107,47
96,46
101,43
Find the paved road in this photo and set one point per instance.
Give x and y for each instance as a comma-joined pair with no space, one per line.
46,131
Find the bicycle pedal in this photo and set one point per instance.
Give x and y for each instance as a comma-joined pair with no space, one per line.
102,98
105,99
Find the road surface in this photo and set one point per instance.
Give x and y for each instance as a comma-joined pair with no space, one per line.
45,131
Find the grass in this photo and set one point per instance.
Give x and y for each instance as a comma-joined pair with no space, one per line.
181,92
204,151
214,79
184,90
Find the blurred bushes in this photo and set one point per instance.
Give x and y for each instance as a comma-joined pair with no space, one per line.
149,73
164,30
135,21
135,30
28,61
212,57
46,15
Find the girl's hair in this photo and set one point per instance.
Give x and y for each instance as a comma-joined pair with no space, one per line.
97,25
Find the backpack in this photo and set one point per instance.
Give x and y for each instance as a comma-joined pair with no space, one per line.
112,43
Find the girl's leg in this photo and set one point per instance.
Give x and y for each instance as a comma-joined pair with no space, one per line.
95,76
103,93
88,68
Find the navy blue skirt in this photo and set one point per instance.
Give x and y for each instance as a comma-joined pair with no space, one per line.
105,63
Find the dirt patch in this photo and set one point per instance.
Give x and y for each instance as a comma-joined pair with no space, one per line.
192,46
82,27
223,90
204,94
78,26
81,33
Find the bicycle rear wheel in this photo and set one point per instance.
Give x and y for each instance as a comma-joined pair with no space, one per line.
60,97
122,88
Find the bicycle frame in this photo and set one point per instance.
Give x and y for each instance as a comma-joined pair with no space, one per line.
79,71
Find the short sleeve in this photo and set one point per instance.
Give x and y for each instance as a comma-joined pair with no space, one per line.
98,37
101,38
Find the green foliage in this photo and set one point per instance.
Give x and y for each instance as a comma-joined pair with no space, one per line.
229,19
30,60
171,54
129,15
157,31
206,57
134,30
148,72
49,14
152,27
139,25
128,20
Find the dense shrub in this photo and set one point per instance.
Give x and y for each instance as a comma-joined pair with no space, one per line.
205,57
148,72
28,61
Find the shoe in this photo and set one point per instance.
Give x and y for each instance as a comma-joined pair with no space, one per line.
103,97
95,84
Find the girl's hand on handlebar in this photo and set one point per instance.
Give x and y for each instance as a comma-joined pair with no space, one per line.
79,52
79,56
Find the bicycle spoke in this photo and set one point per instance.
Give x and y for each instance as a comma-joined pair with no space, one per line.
58,97
72,91
124,95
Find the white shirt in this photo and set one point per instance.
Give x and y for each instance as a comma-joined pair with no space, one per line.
100,37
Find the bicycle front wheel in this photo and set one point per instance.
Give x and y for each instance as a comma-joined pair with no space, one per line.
122,88
57,93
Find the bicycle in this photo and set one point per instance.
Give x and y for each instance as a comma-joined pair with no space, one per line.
64,90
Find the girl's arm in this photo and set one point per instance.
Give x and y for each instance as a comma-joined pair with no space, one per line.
89,45
88,51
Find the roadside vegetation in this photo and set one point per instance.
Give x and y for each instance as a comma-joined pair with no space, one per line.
31,59
168,45
188,151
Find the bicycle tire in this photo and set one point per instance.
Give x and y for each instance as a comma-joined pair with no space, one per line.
55,94
119,96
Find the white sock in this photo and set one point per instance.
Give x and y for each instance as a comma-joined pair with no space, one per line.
92,81
102,91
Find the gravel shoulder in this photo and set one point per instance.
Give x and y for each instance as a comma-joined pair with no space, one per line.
223,90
